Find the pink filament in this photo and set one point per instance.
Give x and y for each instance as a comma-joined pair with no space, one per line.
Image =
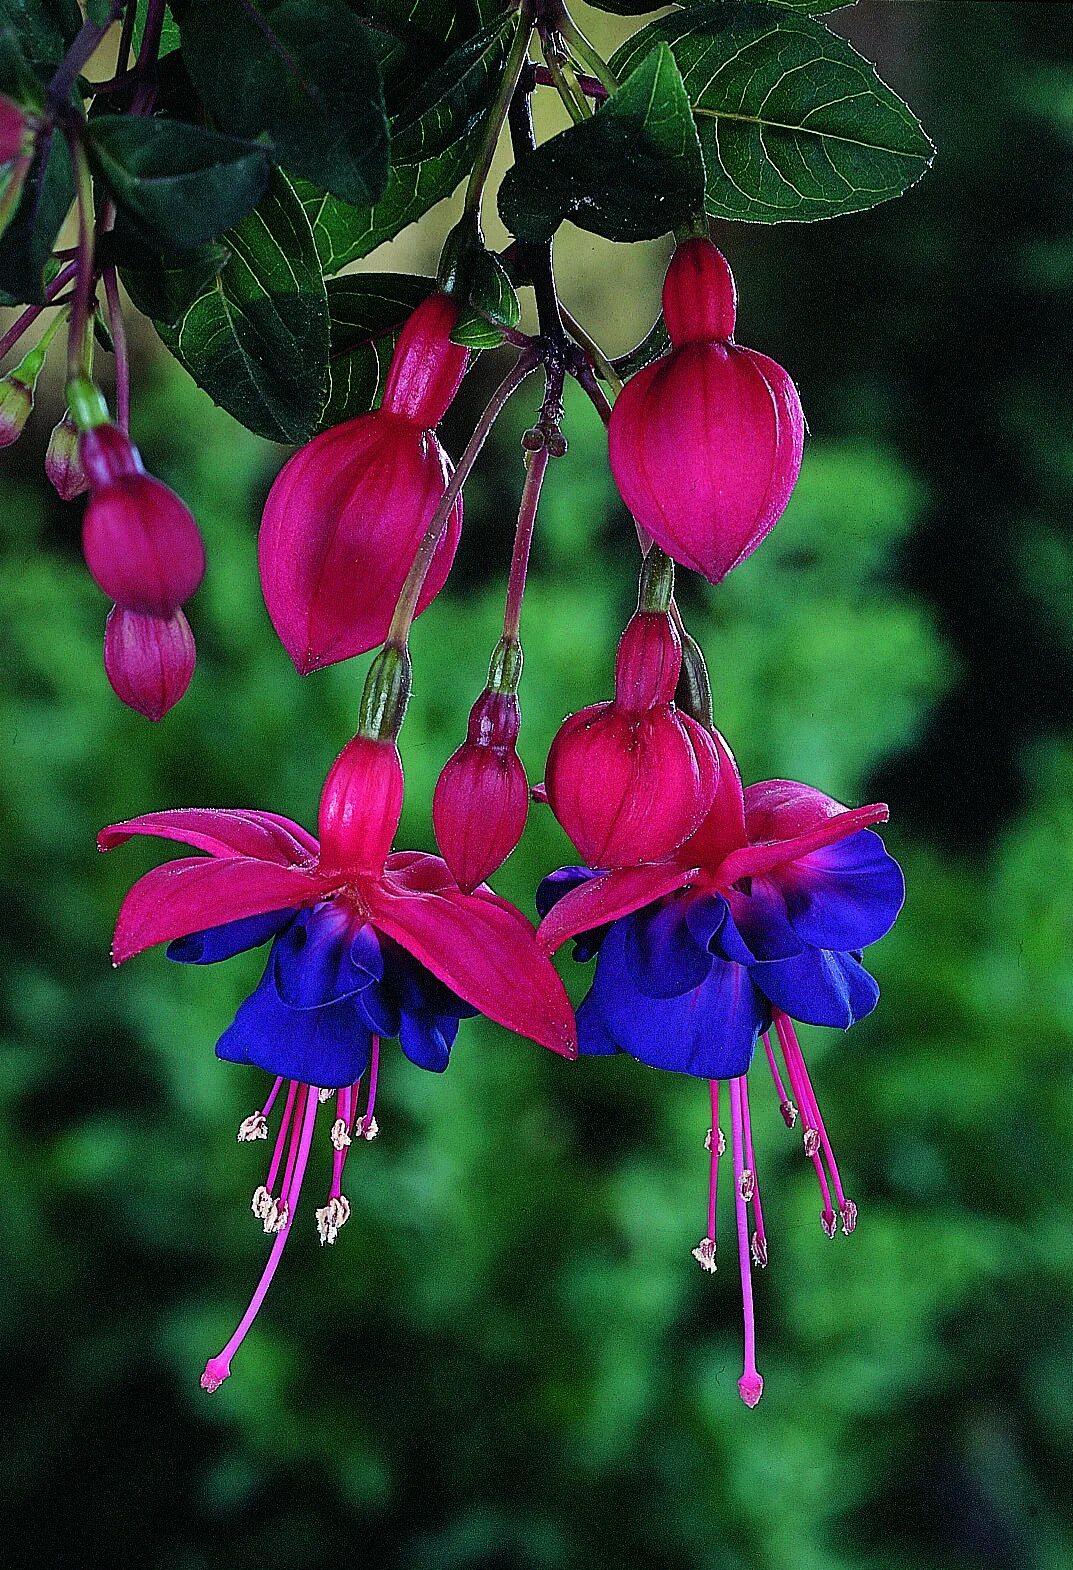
218,1368
374,1071
788,1036
780,1089
292,1152
342,1110
713,1162
281,1137
751,1164
750,1385
272,1094
787,1041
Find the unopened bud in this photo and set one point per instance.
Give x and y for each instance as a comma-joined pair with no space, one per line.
148,660
16,402
63,467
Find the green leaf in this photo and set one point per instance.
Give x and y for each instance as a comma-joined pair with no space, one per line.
655,342
492,304
44,28
631,172
366,311
454,98
169,32
411,41
302,72
344,233
256,339
793,122
166,291
179,184
26,245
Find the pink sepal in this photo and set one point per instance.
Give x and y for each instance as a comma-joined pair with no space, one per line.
142,545
606,898
360,805
196,892
808,821
426,369
148,660
223,832
477,944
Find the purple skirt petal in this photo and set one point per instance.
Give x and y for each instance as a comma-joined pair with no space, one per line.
844,896
234,937
819,986
327,1047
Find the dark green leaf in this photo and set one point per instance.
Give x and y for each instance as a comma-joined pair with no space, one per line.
256,339
17,79
655,342
100,11
794,123
44,28
631,172
304,73
26,245
166,291
169,32
179,184
366,311
454,98
411,41
344,233
492,304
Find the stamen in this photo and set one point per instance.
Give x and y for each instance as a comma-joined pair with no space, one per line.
335,1214
786,1106
715,1144
340,1140
324,1095
253,1127
758,1242
218,1368
846,1208
811,1137
272,1094
281,1137
367,1127
750,1385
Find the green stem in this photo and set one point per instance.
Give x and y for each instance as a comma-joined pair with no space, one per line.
599,359
516,59
77,348
574,105
584,51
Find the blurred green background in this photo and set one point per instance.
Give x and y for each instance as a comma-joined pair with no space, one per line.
509,1359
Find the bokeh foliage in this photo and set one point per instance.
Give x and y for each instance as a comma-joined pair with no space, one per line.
509,1360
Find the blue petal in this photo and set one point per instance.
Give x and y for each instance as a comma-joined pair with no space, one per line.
427,1039
710,1031
844,896
761,923
551,891
233,937
819,986
314,959
664,957
327,1046
593,1040
379,1010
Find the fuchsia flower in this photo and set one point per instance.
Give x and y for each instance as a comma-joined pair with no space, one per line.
481,799
148,660
144,549
758,919
345,516
631,779
365,945
705,444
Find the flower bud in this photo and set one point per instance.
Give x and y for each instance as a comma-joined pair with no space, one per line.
16,402
63,467
705,443
482,796
427,368
630,780
142,545
148,660
346,514
360,805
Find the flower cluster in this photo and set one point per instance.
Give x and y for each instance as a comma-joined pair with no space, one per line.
717,916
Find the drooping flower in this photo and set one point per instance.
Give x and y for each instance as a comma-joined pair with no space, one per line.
140,541
629,780
366,945
705,443
758,919
345,516
481,799
148,660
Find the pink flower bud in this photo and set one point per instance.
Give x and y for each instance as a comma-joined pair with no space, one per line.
13,128
16,402
149,660
63,466
360,806
482,796
631,780
140,541
346,514
705,444
427,368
